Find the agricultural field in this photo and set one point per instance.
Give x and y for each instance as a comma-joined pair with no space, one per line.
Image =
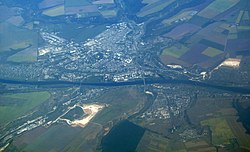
73,3
81,8
55,11
221,117
154,7
121,103
221,132
108,13
212,52
217,7
183,16
152,142
27,55
240,132
73,139
7,13
149,1
14,38
19,104
175,51
123,137
181,31
49,4
200,145
208,41
76,35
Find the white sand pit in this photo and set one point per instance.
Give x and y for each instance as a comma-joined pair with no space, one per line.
90,110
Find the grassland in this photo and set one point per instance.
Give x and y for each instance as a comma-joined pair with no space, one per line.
122,102
239,17
183,15
21,58
108,13
240,132
221,117
77,35
217,7
73,3
26,55
151,142
60,137
149,1
154,7
212,52
199,146
175,51
221,132
55,11
13,37
13,106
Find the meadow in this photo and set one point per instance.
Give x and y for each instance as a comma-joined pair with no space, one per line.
221,132
16,105
217,7
154,7
152,142
175,51
55,11
13,37
122,103
27,55
212,52
59,137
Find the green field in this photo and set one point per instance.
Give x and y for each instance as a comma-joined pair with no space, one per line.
13,106
13,37
120,101
77,32
73,3
151,142
21,58
55,11
211,52
186,14
175,51
221,132
154,7
149,1
59,138
108,13
26,55
217,7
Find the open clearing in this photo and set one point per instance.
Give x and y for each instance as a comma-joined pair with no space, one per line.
13,106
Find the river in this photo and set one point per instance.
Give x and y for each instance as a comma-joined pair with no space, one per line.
234,89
